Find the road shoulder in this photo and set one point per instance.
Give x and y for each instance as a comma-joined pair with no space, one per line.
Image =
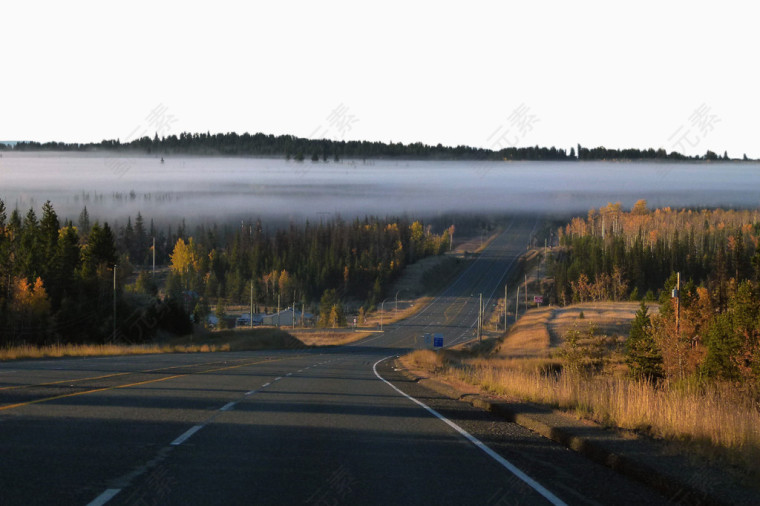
682,480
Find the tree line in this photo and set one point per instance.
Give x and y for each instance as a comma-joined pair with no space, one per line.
85,282
332,261
57,284
708,329
300,148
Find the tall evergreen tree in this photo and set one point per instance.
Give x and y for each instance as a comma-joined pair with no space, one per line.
84,222
642,354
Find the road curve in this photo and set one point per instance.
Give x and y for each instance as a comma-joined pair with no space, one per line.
332,426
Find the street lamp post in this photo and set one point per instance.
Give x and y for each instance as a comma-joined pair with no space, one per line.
402,290
382,311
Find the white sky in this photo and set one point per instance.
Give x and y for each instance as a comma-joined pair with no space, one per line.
595,73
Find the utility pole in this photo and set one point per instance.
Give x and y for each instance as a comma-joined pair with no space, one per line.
278,310
517,303
113,339
677,295
505,307
251,322
542,261
480,318
294,309
526,293
154,257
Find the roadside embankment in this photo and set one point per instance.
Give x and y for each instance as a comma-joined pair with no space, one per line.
682,478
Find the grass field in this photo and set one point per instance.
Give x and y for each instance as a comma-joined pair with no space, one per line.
225,340
95,350
327,337
529,365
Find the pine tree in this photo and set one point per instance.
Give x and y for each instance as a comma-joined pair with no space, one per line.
642,354
328,301
139,253
84,222
49,226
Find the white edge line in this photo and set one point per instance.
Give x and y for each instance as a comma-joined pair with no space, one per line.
498,458
278,378
289,374
227,406
250,392
103,498
265,385
184,437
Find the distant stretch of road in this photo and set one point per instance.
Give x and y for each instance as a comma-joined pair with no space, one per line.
322,427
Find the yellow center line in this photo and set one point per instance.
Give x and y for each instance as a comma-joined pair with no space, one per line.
16,387
76,380
47,399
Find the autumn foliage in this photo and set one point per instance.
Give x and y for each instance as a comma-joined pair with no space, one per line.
299,264
711,330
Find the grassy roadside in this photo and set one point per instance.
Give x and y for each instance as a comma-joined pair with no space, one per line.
705,422
255,339
225,340
21,352
586,377
372,320
327,337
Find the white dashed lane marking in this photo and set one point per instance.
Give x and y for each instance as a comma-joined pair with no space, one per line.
103,498
110,493
187,435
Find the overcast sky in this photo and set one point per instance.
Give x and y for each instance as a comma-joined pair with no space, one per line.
677,75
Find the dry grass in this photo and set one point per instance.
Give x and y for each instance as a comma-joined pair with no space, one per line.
391,316
327,337
209,342
426,360
529,337
476,244
609,318
708,416
245,339
539,332
97,350
714,421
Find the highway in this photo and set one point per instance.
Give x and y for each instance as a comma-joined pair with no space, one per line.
318,426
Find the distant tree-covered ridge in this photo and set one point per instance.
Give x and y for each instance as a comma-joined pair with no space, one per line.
300,149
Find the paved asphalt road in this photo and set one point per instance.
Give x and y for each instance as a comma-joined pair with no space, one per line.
286,427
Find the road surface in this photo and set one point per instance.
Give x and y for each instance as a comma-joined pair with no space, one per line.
331,426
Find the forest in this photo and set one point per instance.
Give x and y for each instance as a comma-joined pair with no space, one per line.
62,282
710,328
299,148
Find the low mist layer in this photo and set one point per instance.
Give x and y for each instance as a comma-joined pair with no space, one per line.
223,188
